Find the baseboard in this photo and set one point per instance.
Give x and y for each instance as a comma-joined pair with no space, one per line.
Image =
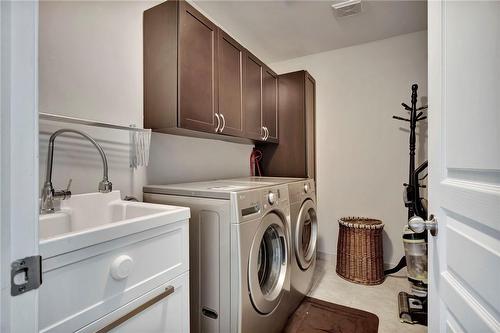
388,265
328,257
331,259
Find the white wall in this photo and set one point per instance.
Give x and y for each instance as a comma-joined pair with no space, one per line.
91,66
90,62
362,154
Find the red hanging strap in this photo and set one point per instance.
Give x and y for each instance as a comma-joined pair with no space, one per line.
255,158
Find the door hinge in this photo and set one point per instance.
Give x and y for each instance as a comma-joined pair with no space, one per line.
25,275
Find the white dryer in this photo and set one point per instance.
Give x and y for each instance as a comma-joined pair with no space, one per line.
240,253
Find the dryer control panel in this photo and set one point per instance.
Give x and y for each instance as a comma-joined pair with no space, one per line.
255,203
301,190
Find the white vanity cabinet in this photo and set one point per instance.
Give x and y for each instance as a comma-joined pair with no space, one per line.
136,280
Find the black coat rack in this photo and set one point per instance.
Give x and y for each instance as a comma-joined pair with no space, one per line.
412,199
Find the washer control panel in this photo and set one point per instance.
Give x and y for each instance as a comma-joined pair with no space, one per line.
251,204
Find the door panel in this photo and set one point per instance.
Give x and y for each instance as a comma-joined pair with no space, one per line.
197,70
479,83
474,244
231,60
253,98
464,166
310,100
270,103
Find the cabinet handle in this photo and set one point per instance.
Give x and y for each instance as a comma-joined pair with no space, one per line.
218,122
264,130
168,291
223,122
266,133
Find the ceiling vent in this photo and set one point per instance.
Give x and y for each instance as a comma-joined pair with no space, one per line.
347,7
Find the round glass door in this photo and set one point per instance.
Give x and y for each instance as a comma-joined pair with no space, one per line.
268,264
306,234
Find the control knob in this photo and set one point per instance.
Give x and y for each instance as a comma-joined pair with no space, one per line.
271,197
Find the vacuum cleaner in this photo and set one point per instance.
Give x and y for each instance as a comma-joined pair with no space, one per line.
413,306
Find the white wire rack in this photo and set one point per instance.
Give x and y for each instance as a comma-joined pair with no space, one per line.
140,138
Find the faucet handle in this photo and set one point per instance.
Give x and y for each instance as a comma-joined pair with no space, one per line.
64,194
69,184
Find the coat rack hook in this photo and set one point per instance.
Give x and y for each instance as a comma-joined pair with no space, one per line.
406,106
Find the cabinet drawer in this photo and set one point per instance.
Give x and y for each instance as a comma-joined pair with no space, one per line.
164,309
79,287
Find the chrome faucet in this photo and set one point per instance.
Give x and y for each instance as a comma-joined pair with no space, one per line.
48,192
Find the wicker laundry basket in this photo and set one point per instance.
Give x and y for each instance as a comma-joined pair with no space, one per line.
360,256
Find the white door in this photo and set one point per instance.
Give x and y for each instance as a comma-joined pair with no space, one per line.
18,157
464,166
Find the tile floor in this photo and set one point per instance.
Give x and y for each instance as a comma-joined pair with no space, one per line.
380,300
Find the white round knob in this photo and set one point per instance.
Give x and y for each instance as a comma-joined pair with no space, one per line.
271,197
306,187
418,224
121,267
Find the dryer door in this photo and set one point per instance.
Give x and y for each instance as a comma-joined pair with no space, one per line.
268,263
306,234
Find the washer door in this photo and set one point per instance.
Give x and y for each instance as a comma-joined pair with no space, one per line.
267,267
306,234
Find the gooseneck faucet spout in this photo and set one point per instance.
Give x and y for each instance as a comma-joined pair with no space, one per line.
48,192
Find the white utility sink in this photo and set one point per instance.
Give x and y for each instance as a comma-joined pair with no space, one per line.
88,219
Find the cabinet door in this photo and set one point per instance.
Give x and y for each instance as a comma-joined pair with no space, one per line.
253,97
197,70
288,158
270,104
231,58
310,110
162,310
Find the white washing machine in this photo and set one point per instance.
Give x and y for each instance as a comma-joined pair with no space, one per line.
240,253
304,232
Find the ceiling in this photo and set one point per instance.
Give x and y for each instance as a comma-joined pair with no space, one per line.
285,29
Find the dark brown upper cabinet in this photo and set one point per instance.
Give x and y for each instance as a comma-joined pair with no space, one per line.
198,81
231,58
270,104
261,101
296,153
180,69
197,70
253,98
